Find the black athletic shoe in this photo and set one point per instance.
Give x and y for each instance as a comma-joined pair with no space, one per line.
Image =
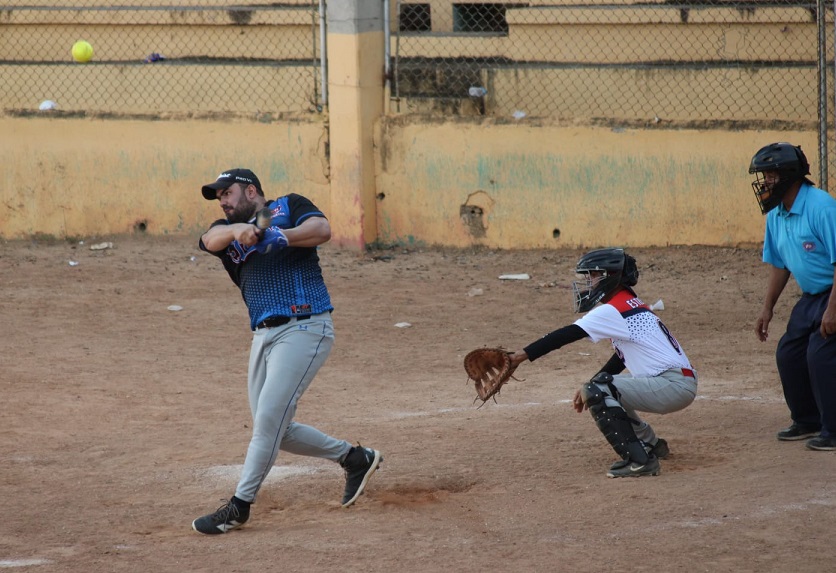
822,444
797,432
660,449
635,469
228,517
359,465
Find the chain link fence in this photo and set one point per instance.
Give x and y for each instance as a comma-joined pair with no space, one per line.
157,59
703,62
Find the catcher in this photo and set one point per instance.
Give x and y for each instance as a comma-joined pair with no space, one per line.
660,379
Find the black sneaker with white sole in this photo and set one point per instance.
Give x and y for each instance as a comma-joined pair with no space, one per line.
660,449
822,444
359,465
634,469
228,517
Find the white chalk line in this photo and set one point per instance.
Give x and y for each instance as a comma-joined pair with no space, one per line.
232,473
758,513
526,405
731,520
10,563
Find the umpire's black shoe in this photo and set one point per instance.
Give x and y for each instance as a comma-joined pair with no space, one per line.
228,517
359,465
797,432
822,444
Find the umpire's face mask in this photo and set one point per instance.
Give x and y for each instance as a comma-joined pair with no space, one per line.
770,188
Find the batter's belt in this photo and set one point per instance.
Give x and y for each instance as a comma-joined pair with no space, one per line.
274,321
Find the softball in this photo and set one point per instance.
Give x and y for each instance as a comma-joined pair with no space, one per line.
82,52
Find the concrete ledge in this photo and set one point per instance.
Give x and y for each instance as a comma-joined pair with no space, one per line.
569,15
134,42
219,4
185,16
186,88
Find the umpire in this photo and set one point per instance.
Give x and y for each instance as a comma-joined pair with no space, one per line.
800,240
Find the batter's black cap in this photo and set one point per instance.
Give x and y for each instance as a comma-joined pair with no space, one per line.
230,177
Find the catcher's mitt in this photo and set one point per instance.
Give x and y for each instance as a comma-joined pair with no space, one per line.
489,369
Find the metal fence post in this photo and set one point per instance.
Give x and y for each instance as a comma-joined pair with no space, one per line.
822,63
323,64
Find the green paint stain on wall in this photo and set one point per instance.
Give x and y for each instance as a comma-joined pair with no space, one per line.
598,179
277,173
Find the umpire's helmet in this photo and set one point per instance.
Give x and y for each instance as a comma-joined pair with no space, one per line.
617,269
788,161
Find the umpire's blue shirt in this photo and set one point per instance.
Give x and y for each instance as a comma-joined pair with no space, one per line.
803,239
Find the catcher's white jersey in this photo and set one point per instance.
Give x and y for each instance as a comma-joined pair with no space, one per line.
642,341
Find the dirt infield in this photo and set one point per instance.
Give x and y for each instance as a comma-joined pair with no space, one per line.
124,420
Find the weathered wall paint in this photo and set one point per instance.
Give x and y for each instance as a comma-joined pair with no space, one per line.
70,177
455,183
540,186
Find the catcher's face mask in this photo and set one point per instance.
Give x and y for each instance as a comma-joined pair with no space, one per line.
591,287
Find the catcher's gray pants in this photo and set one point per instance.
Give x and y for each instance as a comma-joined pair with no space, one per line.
283,362
668,392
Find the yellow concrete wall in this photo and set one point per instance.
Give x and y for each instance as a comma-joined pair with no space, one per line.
527,184
538,184
69,177
541,185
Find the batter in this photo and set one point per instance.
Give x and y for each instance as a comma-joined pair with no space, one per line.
277,270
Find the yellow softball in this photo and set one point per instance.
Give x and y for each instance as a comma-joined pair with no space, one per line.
82,52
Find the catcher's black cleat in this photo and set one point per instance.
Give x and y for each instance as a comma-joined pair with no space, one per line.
228,517
660,449
635,469
359,465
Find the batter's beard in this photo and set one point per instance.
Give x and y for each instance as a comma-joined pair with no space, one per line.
242,213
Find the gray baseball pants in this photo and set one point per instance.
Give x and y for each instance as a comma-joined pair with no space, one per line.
668,392
283,363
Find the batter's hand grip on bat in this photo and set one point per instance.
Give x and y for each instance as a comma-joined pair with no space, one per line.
273,238
263,218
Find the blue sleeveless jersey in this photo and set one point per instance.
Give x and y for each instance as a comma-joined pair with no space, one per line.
283,282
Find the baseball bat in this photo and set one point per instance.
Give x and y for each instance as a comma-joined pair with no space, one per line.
263,218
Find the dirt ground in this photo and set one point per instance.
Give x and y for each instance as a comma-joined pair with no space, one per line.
124,420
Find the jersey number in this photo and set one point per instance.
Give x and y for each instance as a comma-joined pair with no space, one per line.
670,337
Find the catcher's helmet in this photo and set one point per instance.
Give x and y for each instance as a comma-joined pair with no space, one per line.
788,161
616,268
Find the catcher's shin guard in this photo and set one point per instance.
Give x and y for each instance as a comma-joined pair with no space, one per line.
613,421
